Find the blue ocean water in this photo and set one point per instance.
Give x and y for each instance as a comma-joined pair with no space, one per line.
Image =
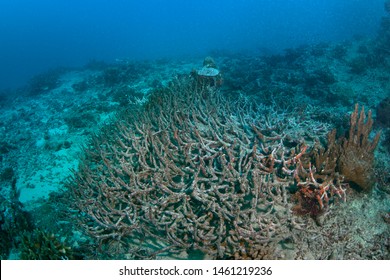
38,35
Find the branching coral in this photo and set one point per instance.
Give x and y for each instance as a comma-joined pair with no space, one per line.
357,151
317,179
193,171
324,173
186,176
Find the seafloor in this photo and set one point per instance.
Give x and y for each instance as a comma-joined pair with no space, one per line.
47,126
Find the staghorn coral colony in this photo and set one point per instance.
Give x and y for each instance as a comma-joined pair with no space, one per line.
198,175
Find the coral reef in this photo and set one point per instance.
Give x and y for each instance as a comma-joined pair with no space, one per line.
13,221
6,174
45,82
41,245
344,161
322,183
193,171
195,174
208,74
185,177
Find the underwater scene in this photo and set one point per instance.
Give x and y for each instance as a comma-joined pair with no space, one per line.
217,130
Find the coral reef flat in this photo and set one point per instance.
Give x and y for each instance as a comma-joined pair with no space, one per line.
140,160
